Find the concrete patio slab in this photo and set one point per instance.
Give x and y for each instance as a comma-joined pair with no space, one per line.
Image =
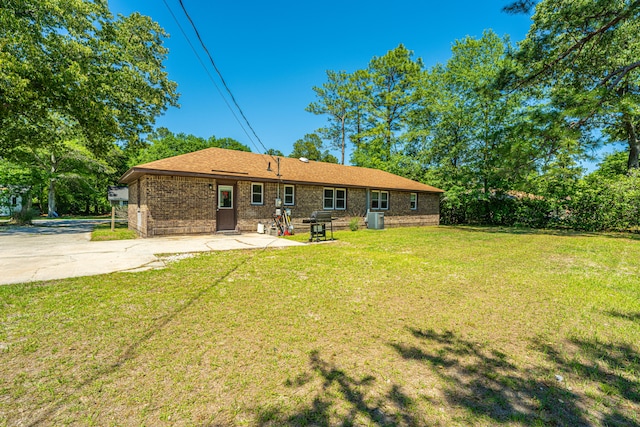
60,249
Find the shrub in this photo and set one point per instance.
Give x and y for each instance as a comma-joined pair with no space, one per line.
474,207
606,204
23,216
354,224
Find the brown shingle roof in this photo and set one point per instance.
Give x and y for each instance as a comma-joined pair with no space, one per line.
222,163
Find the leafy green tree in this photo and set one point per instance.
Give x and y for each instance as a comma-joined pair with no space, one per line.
344,99
311,147
613,165
18,180
274,152
358,96
473,142
485,144
73,63
163,143
390,93
228,143
75,80
373,108
88,195
585,53
63,161
334,100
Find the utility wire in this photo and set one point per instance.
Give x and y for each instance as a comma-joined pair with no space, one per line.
206,70
224,83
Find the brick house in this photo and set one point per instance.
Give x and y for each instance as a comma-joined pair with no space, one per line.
216,190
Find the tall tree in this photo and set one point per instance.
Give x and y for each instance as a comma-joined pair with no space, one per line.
473,143
359,95
311,147
70,162
586,52
334,100
72,62
75,80
391,94
62,157
163,143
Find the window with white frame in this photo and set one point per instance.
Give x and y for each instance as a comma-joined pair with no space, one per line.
289,195
341,199
327,198
413,201
334,199
257,193
379,199
384,200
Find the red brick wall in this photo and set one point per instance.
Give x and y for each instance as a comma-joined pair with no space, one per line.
309,198
173,205
184,205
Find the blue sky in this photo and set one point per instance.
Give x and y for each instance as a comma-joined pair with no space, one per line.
271,54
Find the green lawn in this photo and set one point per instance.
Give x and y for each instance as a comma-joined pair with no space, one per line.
120,231
399,327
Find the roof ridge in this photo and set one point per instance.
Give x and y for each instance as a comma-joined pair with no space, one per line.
234,164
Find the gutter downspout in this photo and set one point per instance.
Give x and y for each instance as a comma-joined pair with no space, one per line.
368,202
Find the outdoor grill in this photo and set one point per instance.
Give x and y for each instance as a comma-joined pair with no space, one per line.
318,225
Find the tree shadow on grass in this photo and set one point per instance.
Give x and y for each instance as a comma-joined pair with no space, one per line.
484,382
634,317
614,368
131,351
343,400
578,383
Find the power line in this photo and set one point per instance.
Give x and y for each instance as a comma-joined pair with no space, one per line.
195,29
204,67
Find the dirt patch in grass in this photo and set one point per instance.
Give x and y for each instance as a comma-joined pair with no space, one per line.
410,327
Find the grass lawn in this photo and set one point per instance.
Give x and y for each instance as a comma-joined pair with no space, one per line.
399,327
120,231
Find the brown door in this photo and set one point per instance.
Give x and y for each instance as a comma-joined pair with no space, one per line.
226,210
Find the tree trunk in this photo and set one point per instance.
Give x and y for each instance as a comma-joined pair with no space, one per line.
26,202
25,215
634,149
342,130
634,144
51,199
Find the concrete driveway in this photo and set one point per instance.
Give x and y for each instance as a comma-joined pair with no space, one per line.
58,249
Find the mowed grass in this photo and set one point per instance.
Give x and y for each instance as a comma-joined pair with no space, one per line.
120,231
399,327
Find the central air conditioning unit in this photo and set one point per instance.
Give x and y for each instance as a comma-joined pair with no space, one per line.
375,220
